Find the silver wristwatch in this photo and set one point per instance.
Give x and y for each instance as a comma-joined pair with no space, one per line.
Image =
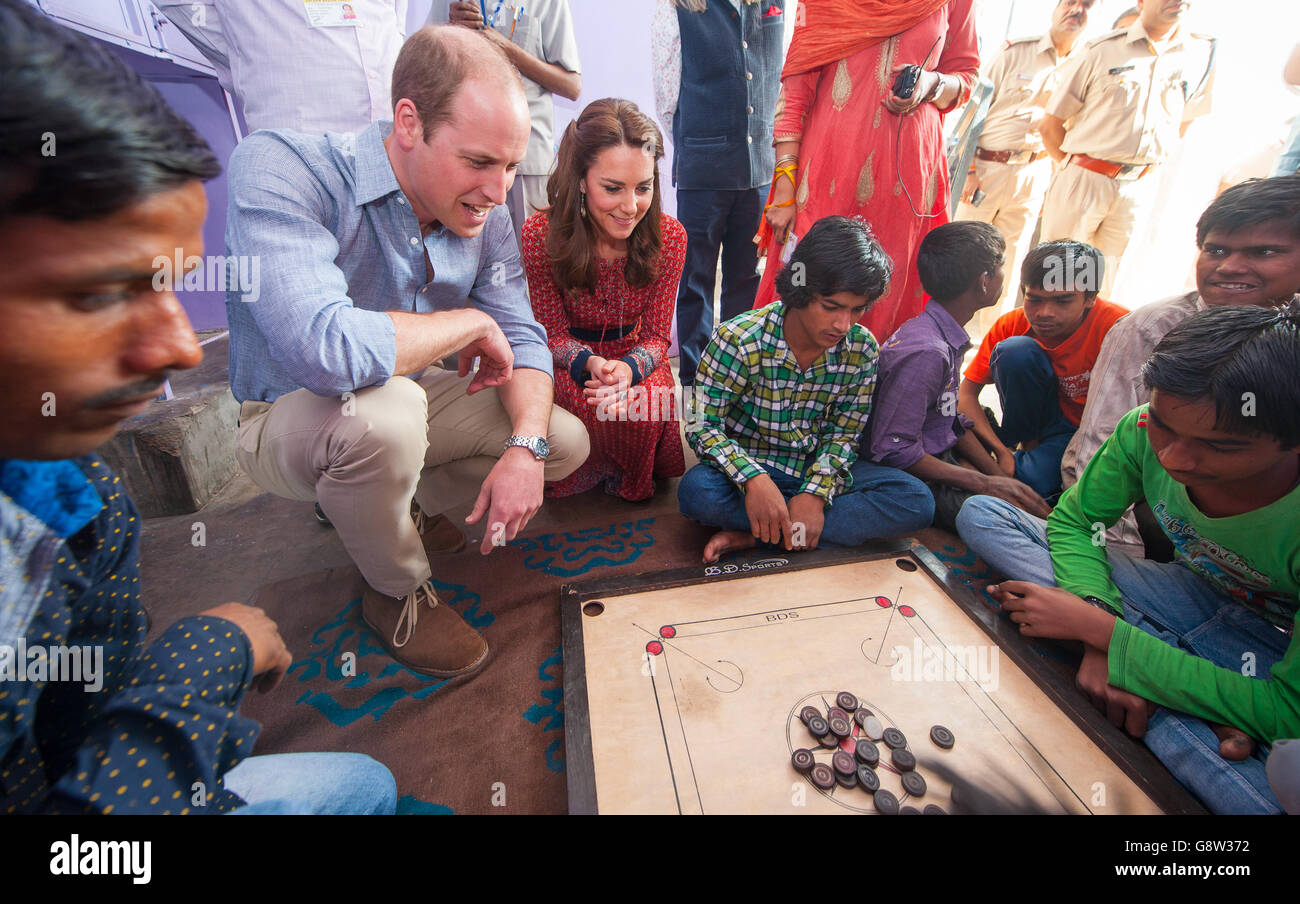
534,444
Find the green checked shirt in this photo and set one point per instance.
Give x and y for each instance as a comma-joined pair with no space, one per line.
757,409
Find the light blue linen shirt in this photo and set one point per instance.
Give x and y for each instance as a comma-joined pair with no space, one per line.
337,244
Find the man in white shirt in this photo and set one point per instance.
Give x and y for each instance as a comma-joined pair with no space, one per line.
299,64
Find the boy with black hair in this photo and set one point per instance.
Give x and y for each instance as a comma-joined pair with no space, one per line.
785,392
1249,254
1040,357
93,720
915,424
1196,656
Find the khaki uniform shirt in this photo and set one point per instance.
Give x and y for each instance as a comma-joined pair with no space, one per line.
1024,75
1129,97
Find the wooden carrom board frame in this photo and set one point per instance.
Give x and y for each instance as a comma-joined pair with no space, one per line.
1131,758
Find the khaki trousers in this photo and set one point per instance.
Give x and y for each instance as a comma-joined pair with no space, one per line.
1013,198
1089,207
364,456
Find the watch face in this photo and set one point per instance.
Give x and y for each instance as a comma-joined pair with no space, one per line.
540,447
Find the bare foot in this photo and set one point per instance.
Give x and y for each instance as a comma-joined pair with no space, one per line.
725,541
1234,744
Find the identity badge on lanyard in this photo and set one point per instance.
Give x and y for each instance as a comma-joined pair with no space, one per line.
331,14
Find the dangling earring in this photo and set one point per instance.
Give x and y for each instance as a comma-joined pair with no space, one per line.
584,203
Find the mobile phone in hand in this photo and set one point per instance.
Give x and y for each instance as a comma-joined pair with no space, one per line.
905,81
977,198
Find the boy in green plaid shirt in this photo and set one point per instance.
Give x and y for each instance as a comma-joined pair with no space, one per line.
784,394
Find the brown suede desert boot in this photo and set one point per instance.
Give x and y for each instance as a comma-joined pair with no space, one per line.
423,634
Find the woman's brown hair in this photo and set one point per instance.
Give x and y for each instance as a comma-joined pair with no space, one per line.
571,238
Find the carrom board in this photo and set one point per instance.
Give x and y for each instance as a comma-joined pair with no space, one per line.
684,689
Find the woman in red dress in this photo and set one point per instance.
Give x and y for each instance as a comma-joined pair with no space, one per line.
603,265
845,145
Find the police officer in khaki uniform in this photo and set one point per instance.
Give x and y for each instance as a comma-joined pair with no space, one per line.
1011,167
1130,96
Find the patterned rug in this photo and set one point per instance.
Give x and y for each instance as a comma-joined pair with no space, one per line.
493,743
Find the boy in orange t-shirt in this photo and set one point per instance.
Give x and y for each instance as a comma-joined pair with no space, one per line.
1040,357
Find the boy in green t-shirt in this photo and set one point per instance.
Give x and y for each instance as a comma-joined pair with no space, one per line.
1194,656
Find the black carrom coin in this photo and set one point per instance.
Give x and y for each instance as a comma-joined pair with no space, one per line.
830,742
886,803
868,779
846,701
909,811
807,713
914,784
894,738
842,762
847,781
942,737
802,760
934,810
861,715
867,752
818,726
822,776
903,759
840,726
835,712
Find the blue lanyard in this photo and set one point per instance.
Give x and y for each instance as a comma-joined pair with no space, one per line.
492,22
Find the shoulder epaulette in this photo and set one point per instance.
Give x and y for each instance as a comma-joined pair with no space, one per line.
1108,36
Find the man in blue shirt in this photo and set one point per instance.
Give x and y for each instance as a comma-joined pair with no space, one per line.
91,719
381,254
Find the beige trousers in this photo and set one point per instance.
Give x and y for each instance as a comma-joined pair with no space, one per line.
1013,198
1089,207
364,456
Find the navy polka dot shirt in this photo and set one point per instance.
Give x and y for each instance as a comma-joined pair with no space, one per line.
163,727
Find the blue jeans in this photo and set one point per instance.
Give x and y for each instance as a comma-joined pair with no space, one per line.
884,502
316,784
1031,410
713,220
1169,601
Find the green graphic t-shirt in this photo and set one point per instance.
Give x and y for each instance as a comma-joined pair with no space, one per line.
1253,558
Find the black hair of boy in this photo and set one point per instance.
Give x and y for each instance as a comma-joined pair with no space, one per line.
838,254
1252,203
953,256
1245,359
1064,266
81,135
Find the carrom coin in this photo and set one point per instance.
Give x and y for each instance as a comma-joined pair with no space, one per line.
822,776
868,779
861,715
846,701
840,726
807,713
914,784
909,811
942,737
836,713
867,752
934,810
818,726
802,760
872,728
842,762
847,781
886,803
894,738
830,742
903,759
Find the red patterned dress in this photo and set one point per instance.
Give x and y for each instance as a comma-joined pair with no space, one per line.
614,322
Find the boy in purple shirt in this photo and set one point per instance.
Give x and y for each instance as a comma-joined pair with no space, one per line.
915,424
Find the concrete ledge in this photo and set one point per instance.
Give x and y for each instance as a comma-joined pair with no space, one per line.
178,454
